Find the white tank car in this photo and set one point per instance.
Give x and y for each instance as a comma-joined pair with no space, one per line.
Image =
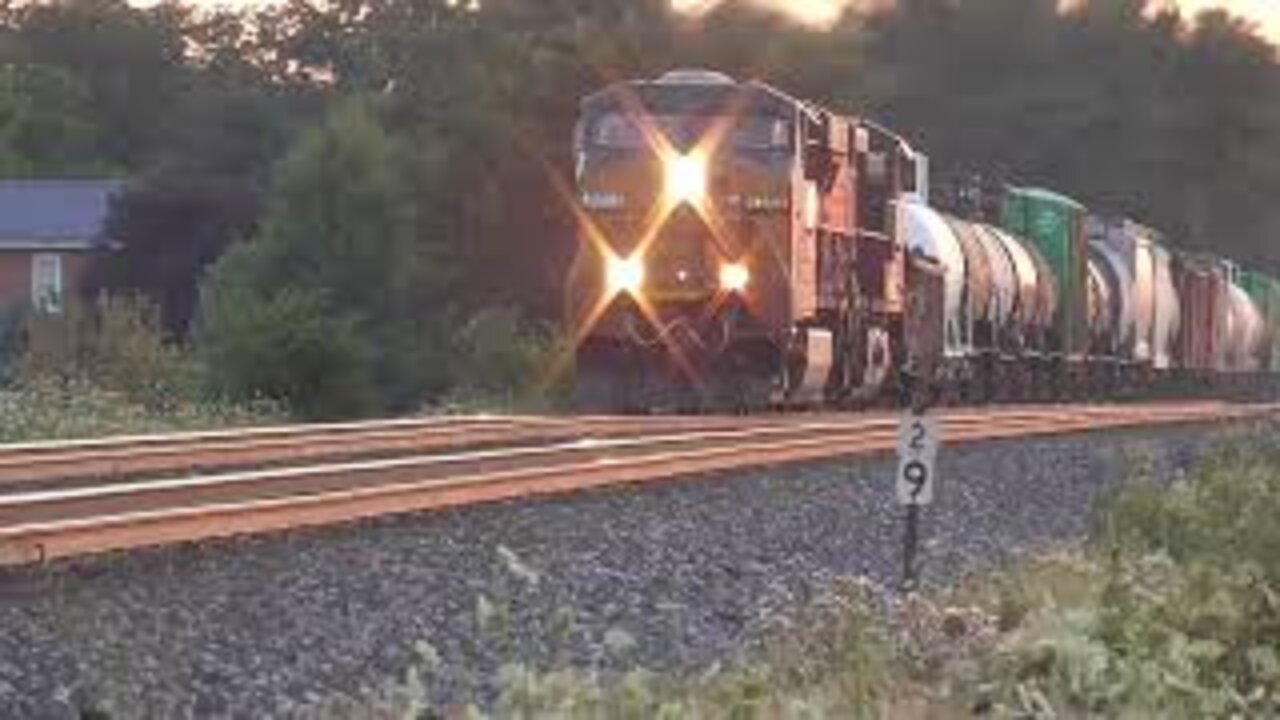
1152,296
1244,331
1166,318
1100,301
1034,307
1004,278
928,234
1120,278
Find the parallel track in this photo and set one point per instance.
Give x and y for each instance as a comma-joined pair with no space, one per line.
97,460
47,510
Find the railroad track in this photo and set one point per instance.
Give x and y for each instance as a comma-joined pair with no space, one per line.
97,460
50,509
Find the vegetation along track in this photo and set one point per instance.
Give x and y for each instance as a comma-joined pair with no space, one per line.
47,519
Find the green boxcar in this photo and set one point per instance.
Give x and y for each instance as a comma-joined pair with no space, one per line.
1264,290
1056,225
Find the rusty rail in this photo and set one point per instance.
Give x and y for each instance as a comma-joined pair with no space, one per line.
61,522
121,457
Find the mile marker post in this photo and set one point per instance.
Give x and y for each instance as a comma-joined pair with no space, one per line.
918,437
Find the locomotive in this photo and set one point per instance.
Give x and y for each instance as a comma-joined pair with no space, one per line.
739,247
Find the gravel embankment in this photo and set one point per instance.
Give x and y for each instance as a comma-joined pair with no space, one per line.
674,573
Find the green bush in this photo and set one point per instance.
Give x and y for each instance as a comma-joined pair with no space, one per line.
104,369
1175,611
116,344
289,347
332,307
13,325
504,360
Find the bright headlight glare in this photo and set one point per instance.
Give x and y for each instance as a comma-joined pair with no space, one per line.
624,275
686,178
734,277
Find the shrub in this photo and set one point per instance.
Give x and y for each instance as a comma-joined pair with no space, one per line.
44,408
13,324
1181,617
331,307
288,346
505,360
107,369
116,344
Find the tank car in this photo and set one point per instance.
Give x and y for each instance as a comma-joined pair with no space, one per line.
1147,305
1244,329
1264,291
1000,301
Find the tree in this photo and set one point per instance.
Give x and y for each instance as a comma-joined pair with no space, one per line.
287,345
339,255
45,125
205,189
129,62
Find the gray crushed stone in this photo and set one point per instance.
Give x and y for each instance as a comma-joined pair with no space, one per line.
673,574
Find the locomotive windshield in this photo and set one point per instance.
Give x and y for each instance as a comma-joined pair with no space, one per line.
617,130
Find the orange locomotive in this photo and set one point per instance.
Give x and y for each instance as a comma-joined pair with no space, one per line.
739,246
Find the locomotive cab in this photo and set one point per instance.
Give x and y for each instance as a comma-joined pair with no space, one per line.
733,239
684,193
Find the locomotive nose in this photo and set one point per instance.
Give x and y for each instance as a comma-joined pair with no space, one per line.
681,262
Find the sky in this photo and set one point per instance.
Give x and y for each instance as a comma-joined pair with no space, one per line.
1265,13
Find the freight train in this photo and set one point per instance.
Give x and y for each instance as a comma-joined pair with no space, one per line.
740,247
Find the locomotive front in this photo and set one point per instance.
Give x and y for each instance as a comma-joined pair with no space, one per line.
684,196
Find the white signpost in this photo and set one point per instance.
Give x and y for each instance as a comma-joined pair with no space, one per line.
918,438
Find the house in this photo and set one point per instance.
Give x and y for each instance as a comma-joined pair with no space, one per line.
50,231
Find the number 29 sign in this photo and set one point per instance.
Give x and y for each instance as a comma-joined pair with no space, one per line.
918,438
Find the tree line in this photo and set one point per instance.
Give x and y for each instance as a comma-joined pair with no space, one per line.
340,205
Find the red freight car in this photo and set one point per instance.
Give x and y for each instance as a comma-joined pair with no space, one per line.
1202,291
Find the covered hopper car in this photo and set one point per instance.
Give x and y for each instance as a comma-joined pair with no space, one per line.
742,247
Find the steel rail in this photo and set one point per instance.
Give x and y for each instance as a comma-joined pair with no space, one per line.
340,493
35,463
513,442
96,460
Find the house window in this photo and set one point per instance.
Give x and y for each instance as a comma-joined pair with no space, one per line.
46,282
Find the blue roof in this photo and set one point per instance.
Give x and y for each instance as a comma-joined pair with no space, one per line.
62,214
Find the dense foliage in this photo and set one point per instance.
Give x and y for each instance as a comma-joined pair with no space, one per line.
392,168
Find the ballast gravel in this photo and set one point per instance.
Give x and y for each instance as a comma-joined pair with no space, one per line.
670,574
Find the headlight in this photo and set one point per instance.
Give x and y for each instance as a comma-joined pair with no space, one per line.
686,179
624,275
734,277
